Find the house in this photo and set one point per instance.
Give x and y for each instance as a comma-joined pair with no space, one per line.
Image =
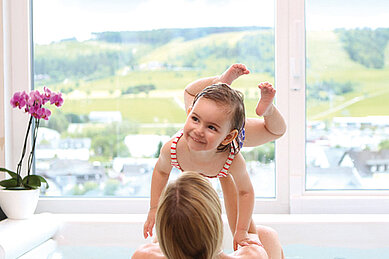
66,172
366,162
360,122
69,148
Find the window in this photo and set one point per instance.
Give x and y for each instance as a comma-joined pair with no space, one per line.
122,68
346,92
294,191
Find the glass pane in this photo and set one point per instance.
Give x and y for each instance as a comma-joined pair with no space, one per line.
347,145
122,67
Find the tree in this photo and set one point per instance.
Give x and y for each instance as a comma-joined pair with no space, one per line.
384,145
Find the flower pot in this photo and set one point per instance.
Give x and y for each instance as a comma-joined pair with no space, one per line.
19,204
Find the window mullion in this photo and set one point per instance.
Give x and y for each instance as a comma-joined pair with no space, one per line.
296,104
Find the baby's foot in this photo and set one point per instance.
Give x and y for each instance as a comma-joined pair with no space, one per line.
265,104
232,73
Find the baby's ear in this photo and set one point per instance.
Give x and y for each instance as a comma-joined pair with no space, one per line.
230,137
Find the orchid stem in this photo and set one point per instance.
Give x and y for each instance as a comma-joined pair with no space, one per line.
31,156
19,167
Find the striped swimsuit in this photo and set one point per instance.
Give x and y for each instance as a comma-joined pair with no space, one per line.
173,155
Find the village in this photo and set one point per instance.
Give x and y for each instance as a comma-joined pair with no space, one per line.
345,156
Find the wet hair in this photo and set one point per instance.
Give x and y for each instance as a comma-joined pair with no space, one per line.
224,95
188,220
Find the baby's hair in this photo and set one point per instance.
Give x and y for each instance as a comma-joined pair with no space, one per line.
188,220
223,94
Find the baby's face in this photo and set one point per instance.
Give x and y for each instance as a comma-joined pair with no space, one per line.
207,125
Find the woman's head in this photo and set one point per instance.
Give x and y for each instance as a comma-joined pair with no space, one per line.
188,221
231,99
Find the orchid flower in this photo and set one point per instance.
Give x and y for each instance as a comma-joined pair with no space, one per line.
33,105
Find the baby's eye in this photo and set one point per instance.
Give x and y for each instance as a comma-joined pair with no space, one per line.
212,128
194,118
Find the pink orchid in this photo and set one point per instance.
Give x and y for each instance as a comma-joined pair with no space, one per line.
33,105
42,113
33,110
47,95
33,102
18,100
35,98
56,99
46,114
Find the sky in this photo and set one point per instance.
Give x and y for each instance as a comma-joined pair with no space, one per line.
60,19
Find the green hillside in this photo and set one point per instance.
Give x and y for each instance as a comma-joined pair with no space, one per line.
327,60
112,68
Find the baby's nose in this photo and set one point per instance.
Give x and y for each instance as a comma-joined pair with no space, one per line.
200,131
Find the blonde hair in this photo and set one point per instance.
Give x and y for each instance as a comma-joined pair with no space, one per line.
188,221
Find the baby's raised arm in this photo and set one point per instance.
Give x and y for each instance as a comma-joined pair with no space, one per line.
258,131
231,74
159,180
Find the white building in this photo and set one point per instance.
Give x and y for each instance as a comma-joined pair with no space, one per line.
144,145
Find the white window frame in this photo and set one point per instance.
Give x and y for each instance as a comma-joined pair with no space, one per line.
290,149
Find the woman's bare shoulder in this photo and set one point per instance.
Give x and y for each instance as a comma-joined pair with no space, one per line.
147,251
248,252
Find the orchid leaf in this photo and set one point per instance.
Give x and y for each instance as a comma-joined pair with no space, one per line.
32,181
43,180
9,183
11,173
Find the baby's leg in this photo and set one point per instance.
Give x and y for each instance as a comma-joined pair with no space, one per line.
232,73
265,104
230,195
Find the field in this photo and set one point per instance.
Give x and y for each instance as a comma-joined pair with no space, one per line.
326,60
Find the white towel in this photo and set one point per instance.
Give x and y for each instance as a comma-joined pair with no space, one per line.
43,251
20,236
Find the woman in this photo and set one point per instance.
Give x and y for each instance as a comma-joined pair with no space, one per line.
189,225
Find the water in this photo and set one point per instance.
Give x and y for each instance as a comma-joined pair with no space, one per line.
92,252
296,251
322,252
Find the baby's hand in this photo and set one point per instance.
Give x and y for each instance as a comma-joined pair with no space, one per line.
265,103
242,238
149,224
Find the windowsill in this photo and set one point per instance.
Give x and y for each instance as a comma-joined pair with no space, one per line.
298,205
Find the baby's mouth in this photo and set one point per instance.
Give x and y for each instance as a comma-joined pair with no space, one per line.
197,140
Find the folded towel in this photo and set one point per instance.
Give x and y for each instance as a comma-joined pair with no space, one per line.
20,236
43,251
